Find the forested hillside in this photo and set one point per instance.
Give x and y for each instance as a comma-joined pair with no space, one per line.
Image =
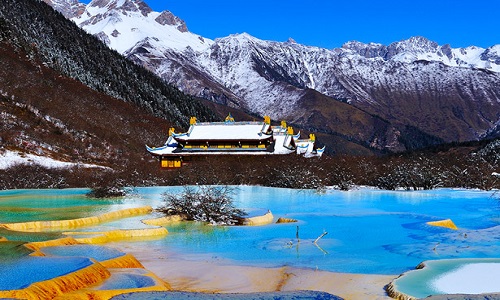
48,37
65,96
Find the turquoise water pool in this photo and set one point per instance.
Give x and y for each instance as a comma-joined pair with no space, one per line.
31,205
20,273
368,231
452,276
98,253
127,281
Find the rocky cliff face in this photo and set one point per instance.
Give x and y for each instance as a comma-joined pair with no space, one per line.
419,89
69,8
121,24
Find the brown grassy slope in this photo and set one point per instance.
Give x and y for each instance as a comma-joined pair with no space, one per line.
352,129
77,123
455,104
342,128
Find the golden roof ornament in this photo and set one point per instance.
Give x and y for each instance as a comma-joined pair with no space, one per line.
229,119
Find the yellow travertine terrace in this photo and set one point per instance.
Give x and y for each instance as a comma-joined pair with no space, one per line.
52,288
36,246
444,223
38,226
163,220
265,219
85,283
101,237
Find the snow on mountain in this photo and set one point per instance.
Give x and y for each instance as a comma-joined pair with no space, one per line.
123,23
420,48
69,8
251,67
273,78
241,64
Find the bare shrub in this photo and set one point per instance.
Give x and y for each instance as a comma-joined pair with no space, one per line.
106,192
212,204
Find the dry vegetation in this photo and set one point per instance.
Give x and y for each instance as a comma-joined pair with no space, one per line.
212,204
465,167
45,109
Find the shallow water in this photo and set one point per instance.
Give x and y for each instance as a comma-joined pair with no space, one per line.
98,253
127,281
20,273
41,205
456,276
368,231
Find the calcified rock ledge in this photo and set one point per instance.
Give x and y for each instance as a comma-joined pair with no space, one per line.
102,237
444,223
36,246
480,282
296,295
394,293
465,297
162,221
49,289
84,283
391,287
38,226
286,220
265,219
125,261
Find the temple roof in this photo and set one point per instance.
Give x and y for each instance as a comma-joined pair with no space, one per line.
237,131
257,138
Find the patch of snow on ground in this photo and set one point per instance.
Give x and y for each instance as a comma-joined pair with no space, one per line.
12,158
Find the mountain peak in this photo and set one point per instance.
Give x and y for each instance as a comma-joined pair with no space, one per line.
415,43
492,55
168,18
238,38
370,50
243,35
123,24
123,5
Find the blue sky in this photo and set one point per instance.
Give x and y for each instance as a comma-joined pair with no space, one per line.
330,23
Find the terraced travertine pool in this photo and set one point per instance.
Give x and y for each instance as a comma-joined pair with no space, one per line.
368,231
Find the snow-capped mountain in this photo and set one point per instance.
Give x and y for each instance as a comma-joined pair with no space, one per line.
420,48
452,94
449,98
123,23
